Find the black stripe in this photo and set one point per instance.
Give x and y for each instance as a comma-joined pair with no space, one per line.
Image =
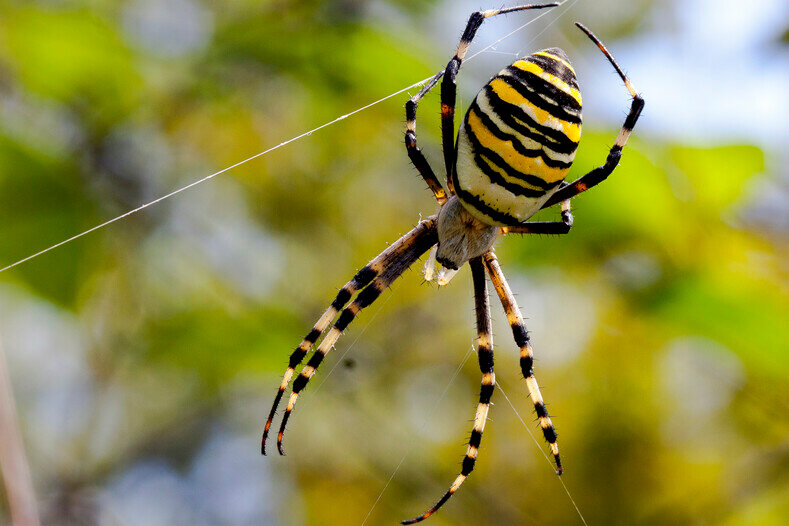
635,111
527,366
485,392
476,438
316,359
299,383
542,412
516,143
345,318
410,110
555,68
525,125
549,434
369,294
364,276
342,298
296,357
485,360
495,159
313,335
496,178
474,21
468,465
520,334
537,84
537,96
475,202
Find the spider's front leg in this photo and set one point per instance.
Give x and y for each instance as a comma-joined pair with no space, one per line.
485,355
449,86
376,276
599,174
523,341
414,153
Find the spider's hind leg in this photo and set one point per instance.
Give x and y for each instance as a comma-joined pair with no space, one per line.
395,260
360,280
523,341
485,355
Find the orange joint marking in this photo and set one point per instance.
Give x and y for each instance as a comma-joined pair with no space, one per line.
631,88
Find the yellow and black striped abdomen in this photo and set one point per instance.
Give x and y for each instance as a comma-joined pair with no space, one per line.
518,139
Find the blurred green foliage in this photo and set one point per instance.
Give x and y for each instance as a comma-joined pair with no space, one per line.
659,323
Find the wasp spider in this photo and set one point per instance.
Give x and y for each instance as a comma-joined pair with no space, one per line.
514,147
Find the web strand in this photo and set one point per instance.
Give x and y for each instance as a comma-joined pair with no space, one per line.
257,155
566,490
424,423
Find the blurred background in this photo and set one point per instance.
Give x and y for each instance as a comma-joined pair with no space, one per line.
144,357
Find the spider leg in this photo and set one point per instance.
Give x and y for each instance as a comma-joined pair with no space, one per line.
545,227
414,153
415,243
600,173
362,278
445,275
485,355
430,264
527,356
449,87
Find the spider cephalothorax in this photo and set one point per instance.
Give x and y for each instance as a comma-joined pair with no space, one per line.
513,150
461,236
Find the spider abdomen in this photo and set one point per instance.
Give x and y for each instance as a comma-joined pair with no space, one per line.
518,139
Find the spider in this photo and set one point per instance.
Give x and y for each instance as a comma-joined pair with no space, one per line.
508,160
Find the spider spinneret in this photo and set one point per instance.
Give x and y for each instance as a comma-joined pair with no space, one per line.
508,160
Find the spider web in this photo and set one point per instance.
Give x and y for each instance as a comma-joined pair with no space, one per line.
278,146
562,10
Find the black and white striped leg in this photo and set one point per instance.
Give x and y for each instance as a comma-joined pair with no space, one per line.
485,355
600,173
449,87
545,227
522,340
359,281
414,153
415,243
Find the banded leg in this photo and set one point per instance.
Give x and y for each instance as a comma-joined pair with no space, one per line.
359,281
414,153
600,173
416,243
485,355
449,87
545,227
527,355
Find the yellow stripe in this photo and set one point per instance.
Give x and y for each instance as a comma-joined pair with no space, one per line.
557,59
508,94
528,165
531,67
